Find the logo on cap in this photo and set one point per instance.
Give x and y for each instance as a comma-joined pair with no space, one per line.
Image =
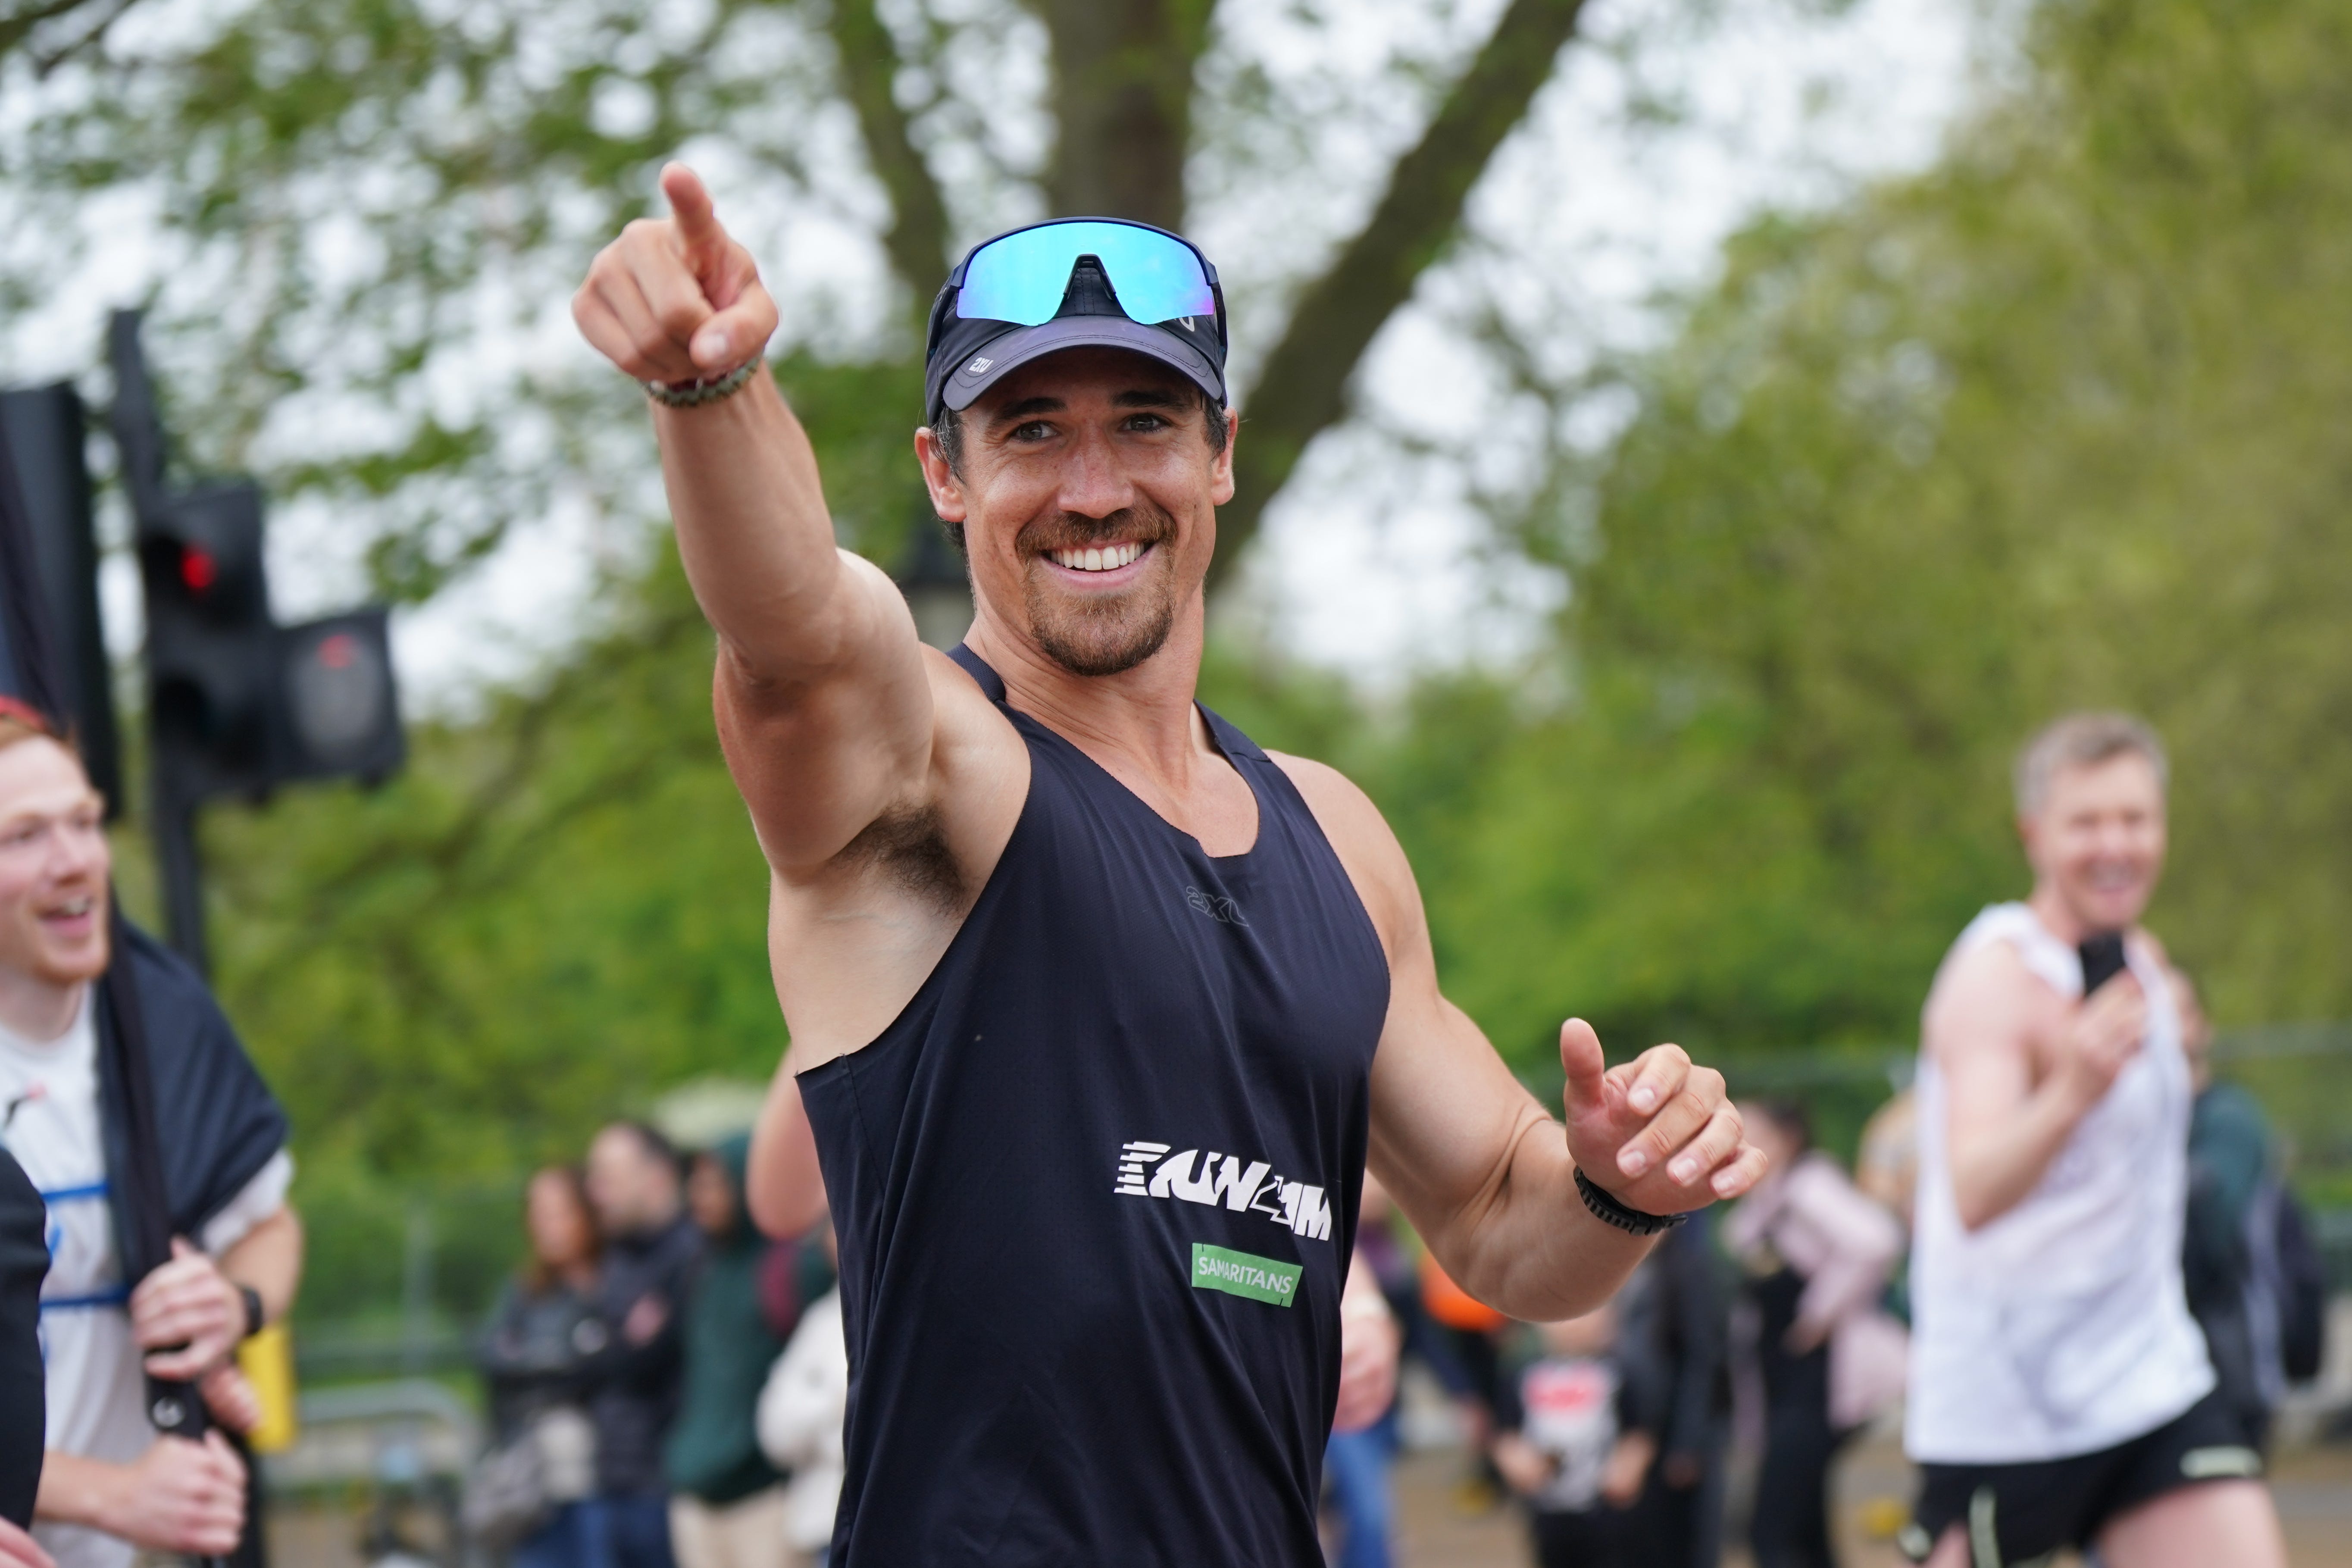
1185,322
979,366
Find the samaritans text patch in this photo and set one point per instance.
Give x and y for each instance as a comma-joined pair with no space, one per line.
1239,1273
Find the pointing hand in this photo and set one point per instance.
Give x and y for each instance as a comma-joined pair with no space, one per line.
1657,1134
676,299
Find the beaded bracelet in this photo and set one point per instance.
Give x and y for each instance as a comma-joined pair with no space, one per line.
1608,1211
695,394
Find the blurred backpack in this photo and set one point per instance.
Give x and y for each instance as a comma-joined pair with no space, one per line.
2286,1291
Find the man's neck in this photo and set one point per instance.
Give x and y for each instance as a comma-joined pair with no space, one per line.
39,1010
1145,714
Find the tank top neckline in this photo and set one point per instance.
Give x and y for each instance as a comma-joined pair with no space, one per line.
1231,744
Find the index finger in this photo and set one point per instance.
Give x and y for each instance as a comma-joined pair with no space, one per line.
689,203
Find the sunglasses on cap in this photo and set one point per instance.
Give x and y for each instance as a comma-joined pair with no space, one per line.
1073,283
1021,277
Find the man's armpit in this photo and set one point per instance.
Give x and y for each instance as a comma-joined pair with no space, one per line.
909,846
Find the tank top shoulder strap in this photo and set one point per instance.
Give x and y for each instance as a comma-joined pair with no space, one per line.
2052,961
1236,746
977,667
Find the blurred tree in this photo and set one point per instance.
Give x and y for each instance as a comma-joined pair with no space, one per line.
387,179
2058,424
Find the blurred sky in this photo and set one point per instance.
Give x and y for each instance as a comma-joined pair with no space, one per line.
1670,123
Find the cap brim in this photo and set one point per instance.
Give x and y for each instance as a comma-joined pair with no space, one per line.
1024,345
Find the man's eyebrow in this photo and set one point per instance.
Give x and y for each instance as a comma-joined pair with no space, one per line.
1148,397
1013,413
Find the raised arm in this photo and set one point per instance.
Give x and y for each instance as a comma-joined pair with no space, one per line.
2009,1115
1483,1171
822,700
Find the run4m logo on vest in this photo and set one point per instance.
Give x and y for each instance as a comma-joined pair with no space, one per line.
1246,1186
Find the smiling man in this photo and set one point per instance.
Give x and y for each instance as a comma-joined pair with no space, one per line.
2060,1391
109,1486
1098,1010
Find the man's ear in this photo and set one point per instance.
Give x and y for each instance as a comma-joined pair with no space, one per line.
947,489
1221,465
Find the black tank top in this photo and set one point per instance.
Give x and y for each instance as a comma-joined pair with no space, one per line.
1096,1190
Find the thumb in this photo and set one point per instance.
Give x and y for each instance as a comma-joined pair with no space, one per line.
689,205
1581,1059
182,1248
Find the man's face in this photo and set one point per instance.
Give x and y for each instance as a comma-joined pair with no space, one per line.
1089,499
2098,839
54,863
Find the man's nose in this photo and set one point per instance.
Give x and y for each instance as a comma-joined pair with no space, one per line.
1093,484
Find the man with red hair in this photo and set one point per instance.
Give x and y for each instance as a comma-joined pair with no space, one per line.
109,1484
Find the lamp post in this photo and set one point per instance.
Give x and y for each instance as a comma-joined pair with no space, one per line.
937,588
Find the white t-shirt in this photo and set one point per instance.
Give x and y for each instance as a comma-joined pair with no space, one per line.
97,1393
1571,1405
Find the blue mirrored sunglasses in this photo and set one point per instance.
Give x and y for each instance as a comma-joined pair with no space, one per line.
1021,277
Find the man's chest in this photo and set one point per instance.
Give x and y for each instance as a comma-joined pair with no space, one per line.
53,1129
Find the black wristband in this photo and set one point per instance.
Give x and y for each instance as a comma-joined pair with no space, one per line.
1632,1221
256,1317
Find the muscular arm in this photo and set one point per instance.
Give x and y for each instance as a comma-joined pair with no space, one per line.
1485,1174
823,701
2009,1116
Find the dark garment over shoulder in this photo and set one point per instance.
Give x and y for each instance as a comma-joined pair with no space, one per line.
1096,1189
24,1264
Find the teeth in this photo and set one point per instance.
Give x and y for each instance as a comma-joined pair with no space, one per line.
1097,559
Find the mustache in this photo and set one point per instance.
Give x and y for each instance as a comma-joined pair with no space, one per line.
1145,524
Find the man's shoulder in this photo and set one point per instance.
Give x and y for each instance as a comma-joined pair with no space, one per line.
1985,997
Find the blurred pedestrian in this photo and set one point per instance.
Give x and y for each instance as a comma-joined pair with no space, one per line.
1575,1434
637,1187
171,1239
801,1407
1362,1444
2061,1394
543,1335
1816,1254
2233,1191
1676,1319
23,1263
726,1507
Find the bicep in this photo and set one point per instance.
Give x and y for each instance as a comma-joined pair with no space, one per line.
819,755
1975,1032
1447,1117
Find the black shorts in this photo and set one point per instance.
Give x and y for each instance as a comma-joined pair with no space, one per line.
2019,1514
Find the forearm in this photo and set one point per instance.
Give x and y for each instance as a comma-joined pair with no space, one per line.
753,531
1534,1251
1995,1163
76,1491
269,1260
784,1186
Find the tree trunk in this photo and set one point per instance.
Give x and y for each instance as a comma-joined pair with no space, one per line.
1122,95
917,240
1122,99
1302,390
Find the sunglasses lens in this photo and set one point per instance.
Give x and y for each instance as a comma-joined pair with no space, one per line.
1023,277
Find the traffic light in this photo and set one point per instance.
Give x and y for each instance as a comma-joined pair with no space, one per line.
212,648
44,429
237,704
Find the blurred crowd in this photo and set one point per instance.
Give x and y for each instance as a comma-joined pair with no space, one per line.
666,1385
1780,1327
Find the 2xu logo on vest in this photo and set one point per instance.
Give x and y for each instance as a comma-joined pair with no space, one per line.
1244,1187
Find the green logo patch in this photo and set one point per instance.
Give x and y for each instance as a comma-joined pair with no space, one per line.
1239,1273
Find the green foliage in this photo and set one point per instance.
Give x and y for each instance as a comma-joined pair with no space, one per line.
2056,426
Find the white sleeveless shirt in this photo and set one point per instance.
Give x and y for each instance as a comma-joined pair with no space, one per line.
2060,1328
